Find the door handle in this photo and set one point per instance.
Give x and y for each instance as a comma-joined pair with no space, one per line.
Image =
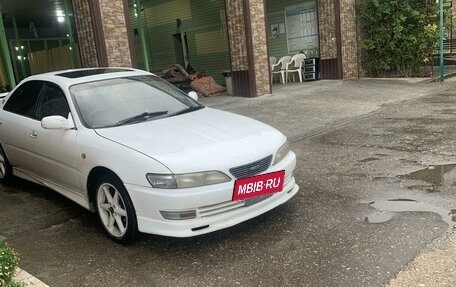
33,134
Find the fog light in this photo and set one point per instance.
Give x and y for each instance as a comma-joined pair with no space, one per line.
178,215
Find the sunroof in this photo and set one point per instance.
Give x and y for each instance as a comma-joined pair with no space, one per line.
91,72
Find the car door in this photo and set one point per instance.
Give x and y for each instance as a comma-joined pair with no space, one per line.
53,152
19,112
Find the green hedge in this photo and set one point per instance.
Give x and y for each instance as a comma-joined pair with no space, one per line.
9,262
398,35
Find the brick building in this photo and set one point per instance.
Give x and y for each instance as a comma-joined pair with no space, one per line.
108,36
208,35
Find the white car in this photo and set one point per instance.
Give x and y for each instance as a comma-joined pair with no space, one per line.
141,153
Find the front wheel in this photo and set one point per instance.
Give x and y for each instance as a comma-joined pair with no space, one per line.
115,210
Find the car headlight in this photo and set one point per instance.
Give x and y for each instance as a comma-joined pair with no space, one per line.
162,180
281,153
187,180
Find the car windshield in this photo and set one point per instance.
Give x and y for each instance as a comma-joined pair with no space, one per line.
121,101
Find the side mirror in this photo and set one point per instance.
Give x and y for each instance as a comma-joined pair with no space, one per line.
193,95
55,123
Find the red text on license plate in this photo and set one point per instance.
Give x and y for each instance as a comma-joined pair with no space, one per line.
254,186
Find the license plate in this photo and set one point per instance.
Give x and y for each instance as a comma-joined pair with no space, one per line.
259,185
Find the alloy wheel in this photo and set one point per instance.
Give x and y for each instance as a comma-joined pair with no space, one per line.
112,210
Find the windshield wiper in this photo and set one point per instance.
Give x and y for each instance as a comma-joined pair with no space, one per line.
188,110
140,118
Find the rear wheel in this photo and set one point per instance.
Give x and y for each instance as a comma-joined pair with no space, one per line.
6,171
115,210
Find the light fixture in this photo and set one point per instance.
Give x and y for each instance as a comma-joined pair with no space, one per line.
19,58
16,48
22,47
60,16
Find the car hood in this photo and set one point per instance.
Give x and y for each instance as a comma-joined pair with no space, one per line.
203,140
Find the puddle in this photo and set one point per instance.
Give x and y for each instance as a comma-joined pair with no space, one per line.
387,209
436,175
379,217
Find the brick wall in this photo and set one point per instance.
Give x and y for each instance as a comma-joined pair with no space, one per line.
85,33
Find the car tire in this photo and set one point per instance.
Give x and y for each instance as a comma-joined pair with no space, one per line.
115,209
6,171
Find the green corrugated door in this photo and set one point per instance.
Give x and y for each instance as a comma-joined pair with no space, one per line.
168,22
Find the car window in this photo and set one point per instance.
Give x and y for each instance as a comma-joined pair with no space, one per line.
52,103
24,99
106,103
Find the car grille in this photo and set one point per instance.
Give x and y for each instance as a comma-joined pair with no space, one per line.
252,168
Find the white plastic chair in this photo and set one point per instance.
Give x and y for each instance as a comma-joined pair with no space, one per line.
295,65
282,64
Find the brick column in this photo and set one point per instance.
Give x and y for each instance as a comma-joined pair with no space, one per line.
349,33
453,13
114,24
248,47
260,46
103,33
85,31
327,27
339,39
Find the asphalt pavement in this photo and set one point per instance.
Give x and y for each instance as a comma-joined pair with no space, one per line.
376,167
346,102
436,265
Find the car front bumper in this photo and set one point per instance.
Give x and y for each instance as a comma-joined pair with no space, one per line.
213,205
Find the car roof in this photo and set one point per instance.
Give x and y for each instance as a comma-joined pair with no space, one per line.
71,77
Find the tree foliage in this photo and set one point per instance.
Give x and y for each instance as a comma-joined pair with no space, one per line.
397,34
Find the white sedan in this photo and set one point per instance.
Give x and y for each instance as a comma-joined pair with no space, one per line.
142,154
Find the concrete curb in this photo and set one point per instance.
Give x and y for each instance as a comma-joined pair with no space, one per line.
27,279
433,267
445,77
